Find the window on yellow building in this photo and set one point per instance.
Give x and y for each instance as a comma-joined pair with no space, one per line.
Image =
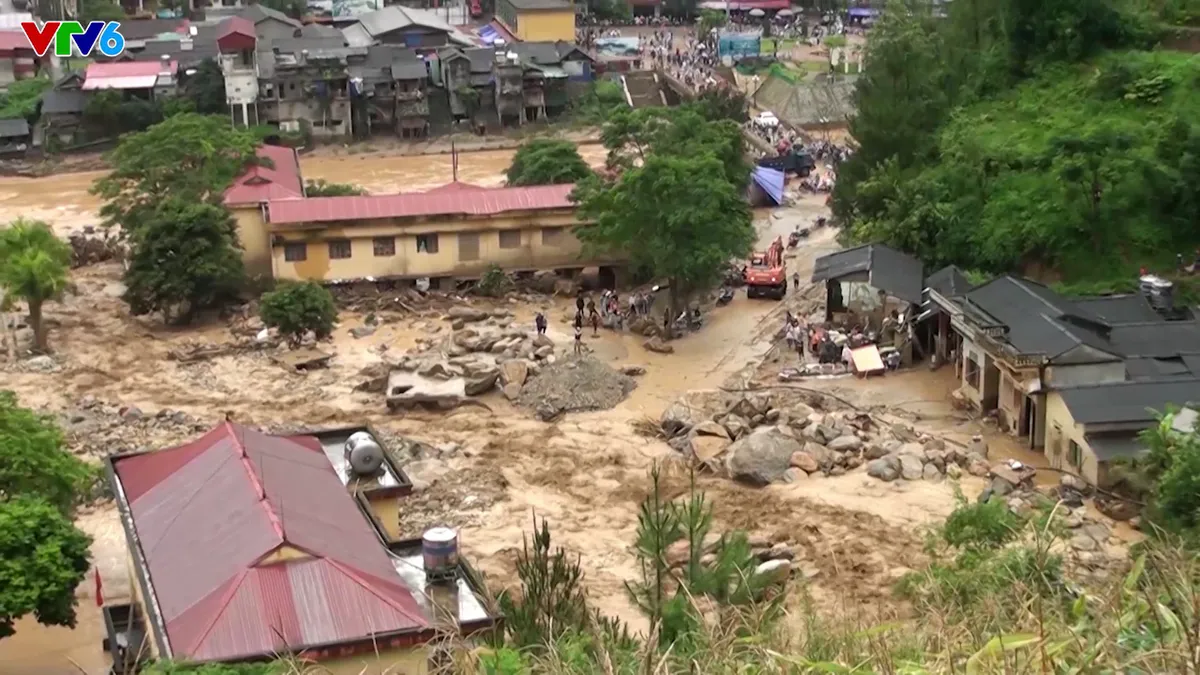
384,247
510,239
339,249
295,252
552,236
1074,455
427,243
468,246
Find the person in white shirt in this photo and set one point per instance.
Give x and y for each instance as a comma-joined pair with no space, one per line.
791,336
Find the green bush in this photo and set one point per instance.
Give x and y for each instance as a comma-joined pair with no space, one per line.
296,308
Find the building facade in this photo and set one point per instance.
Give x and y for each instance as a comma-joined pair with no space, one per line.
538,20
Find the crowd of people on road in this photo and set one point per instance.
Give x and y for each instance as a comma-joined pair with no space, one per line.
683,57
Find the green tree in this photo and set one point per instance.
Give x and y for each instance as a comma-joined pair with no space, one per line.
296,9
723,103
546,161
630,136
184,257
33,267
44,559
297,308
320,188
34,460
205,88
678,217
100,10
185,668
190,157
22,97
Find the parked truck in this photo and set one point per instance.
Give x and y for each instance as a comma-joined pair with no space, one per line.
791,161
766,275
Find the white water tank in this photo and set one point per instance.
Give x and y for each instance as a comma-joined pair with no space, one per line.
439,554
363,454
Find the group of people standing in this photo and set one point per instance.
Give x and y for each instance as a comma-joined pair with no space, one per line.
608,312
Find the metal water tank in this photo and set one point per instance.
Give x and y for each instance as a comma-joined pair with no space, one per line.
439,553
363,454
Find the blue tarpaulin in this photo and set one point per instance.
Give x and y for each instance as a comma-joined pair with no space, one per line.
862,12
489,35
738,46
771,181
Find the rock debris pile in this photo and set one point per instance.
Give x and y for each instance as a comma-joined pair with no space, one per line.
575,384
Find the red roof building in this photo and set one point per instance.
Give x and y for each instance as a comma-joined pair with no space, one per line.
128,74
456,199
262,183
248,544
14,47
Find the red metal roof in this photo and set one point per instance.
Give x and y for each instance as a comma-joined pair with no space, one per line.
437,202
11,40
127,69
261,184
207,512
454,187
236,33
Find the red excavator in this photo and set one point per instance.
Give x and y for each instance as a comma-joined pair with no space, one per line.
766,275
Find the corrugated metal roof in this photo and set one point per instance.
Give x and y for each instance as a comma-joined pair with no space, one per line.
1128,402
13,128
236,25
464,201
134,82
262,184
207,512
125,74
63,101
887,269
13,39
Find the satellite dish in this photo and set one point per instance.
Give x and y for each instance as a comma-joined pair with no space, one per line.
363,454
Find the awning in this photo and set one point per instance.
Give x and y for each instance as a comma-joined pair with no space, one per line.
743,5
1107,448
132,82
771,181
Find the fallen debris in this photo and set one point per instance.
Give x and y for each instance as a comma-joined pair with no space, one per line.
303,359
574,385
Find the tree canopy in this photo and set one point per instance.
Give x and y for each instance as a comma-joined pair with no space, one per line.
321,188
34,460
189,156
184,257
678,206
546,161
33,267
1015,136
205,88
43,558
297,308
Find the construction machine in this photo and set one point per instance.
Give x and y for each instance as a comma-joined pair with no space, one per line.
766,275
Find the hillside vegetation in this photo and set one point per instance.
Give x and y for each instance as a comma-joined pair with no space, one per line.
1027,136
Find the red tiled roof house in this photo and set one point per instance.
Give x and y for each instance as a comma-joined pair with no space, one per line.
244,546
277,177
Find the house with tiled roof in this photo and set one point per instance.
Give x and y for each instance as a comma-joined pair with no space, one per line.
275,177
1077,378
245,546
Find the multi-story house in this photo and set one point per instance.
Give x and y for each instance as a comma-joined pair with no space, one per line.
236,42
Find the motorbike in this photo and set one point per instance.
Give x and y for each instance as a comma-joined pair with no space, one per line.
795,237
724,296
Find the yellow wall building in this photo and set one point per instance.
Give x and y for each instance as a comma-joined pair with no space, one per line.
538,20
453,232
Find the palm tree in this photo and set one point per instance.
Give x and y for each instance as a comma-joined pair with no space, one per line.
33,268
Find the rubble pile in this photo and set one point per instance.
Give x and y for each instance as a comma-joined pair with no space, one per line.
89,248
575,384
96,429
483,350
753,440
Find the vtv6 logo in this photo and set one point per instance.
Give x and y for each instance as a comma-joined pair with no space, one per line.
97,35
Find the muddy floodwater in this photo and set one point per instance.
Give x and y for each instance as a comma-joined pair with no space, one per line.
64,201
585,474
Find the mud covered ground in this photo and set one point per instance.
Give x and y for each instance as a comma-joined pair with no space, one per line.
113,383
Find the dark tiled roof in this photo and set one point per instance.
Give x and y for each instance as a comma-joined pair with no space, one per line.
258,14
1039,321
144,29
949,281
406,65
540,53
1108,447
1156,369
1118,309
887,269
1125,402
1156,339
63,102
13,128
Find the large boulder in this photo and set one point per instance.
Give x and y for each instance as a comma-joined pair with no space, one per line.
884,468
710,428
804,461
468,314
707,448
681,416
514,371
762,457
482,384
911,467
846,443
656,344
825,458
751,405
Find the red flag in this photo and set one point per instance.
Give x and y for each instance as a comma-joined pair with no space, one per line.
99,589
